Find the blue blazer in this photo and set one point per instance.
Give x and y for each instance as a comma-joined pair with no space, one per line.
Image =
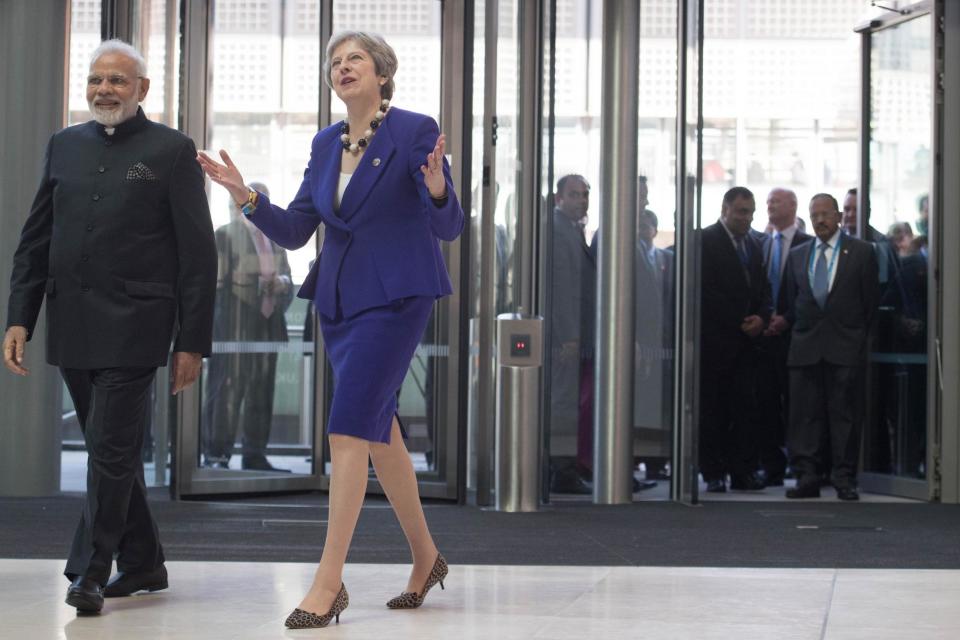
383,243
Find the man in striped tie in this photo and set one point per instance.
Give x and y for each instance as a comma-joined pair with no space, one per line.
833,289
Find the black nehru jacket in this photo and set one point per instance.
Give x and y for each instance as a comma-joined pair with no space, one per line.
120,240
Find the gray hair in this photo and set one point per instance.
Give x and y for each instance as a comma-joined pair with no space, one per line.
119,46
384,58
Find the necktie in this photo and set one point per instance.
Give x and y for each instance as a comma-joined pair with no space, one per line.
267,271
773,273
821,278
742,251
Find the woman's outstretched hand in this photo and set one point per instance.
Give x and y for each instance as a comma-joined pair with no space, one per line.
433,170
226,175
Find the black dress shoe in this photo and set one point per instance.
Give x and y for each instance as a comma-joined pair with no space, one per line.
847,493
570,483
774,480
643,485
125,584
259,463
216,463
747,482
716,486
85,594
807,490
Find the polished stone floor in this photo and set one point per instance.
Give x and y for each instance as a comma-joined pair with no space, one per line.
211,600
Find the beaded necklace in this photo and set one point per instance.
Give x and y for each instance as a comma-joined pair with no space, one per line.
355,147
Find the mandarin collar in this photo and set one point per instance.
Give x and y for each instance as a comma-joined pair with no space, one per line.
125,128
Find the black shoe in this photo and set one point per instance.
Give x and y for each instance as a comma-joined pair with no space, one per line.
126,584
848,494
85,594
716,486
259,463
748,482
216,463
806,490
643,485
570,482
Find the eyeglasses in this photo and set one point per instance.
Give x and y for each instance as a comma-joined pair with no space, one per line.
115,81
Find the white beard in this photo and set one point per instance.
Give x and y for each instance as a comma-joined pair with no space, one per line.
111,118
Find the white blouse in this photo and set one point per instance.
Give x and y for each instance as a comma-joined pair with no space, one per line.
341,188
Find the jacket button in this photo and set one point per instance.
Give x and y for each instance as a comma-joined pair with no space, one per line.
89,227
108,143
84,258
101,169
96,197
84,288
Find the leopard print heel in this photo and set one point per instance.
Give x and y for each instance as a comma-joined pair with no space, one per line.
301,619
411,600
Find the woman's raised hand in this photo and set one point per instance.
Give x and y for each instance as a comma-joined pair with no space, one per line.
226,175
433,170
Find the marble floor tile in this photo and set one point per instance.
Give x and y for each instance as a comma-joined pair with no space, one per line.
213,600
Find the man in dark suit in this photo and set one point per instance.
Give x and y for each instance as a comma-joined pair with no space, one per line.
735,310
833,291
573,293
772,378
120,242
254,289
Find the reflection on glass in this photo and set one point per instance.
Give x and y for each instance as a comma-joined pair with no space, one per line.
257,387
413,29
900,165
572,249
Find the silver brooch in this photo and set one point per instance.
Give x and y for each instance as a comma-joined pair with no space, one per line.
376,162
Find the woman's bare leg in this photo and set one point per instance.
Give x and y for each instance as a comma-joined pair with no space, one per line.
349,458
399,481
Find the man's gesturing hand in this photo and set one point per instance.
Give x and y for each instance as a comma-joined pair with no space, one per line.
185,371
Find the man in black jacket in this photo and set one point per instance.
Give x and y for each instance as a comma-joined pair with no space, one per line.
119,241
833,291
772,378
735,310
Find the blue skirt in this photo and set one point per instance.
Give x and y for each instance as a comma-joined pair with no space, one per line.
370,354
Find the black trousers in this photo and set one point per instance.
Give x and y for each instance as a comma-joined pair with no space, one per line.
827,407
239,392
773,393
112,408
728,417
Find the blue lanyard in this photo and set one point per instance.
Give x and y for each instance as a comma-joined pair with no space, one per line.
830,265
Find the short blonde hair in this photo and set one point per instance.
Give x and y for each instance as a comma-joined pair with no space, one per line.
384,57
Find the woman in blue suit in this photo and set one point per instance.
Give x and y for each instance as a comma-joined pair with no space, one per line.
379,182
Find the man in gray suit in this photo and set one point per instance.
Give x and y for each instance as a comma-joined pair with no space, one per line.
833,290
573,295
254,289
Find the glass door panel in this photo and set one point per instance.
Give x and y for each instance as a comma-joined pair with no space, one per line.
896,221
256,426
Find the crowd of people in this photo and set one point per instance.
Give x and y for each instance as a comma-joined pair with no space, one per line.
784,314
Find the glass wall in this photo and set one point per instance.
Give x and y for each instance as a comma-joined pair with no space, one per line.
257,393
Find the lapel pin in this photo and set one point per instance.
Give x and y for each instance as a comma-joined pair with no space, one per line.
376,162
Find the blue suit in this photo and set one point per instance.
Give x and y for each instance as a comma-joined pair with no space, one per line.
382,245
380,269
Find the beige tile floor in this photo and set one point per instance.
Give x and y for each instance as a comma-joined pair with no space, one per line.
212,600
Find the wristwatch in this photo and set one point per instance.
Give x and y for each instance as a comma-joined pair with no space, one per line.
250,205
